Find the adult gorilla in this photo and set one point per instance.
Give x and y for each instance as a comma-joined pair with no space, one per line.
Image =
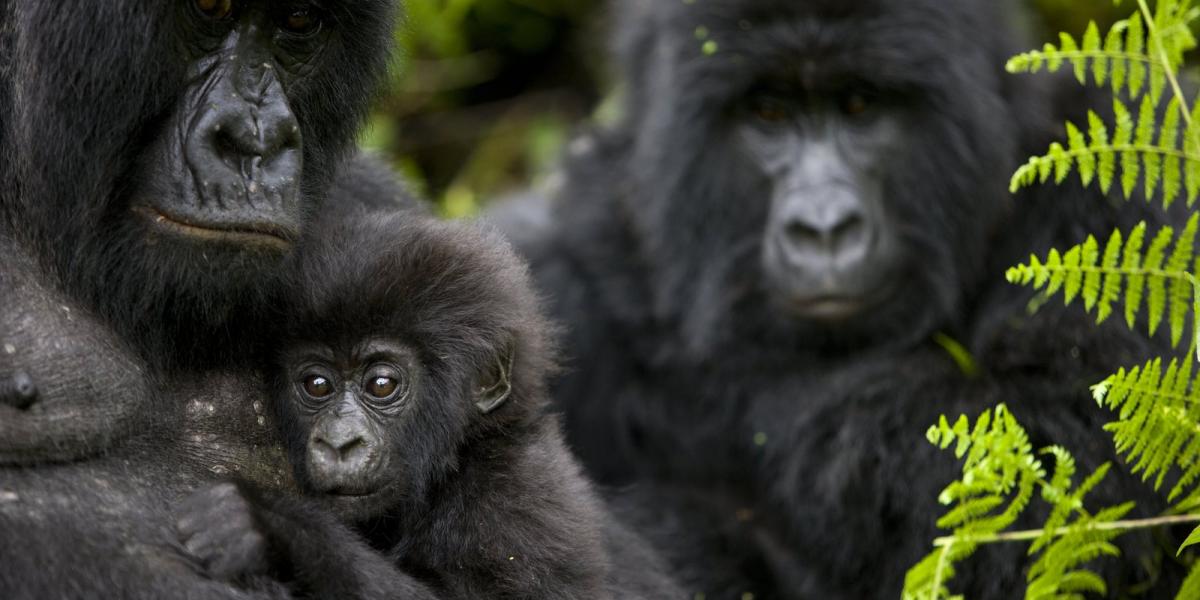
755,263
157,160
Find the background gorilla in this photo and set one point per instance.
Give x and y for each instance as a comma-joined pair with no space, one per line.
410,390
755,263
157,160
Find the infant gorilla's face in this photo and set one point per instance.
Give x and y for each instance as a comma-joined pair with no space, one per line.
349,411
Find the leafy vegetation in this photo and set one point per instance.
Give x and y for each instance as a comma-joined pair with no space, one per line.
483,95
1156,410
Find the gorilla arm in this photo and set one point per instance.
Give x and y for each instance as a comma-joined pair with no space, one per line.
236,532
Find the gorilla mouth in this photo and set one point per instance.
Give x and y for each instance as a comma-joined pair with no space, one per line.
349,493
833,306
240,234
829,308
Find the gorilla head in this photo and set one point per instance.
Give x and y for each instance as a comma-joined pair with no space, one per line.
162,156
814,170
412,344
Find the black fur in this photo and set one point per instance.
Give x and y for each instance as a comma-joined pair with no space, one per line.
87,105
142,347
477,503
803,439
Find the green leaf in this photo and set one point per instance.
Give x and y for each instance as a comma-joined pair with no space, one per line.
1193,538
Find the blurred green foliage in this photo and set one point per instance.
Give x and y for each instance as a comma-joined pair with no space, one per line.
1073,15
484,93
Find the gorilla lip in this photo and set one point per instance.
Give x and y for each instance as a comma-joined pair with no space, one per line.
829,308
258,234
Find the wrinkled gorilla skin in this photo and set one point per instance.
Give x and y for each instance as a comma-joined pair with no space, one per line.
411,388
716,360
156,164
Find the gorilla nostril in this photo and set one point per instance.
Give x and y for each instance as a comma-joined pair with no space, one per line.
340,451
800,232
18,390
255,134
850,231
352,449
322,452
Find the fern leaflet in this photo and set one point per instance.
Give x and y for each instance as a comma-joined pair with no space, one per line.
1095,155
1001,473
1167,282
1158,423
1128,57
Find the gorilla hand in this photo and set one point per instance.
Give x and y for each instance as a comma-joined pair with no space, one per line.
218,528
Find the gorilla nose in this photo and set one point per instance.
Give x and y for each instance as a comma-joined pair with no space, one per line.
18,390
820,230
246,148
345,451
260,133
801,232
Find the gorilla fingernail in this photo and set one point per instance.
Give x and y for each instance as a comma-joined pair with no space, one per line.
18,390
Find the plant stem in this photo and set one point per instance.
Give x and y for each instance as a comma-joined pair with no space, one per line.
1148,17
1033,534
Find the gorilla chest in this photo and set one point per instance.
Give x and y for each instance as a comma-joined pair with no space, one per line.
228,427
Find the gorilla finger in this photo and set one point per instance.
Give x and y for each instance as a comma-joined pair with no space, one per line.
244,555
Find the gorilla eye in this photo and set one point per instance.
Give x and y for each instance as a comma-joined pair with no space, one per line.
317,386
769,110
854,104
216,9
302,22
381,387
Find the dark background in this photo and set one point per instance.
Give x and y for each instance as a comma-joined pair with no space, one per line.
485,92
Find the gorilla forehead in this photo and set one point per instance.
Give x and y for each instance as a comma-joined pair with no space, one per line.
449,289
819,43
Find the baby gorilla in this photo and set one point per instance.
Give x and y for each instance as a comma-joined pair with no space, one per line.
412,390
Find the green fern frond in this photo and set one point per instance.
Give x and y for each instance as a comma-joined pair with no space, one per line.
1158,423
1000,475
1057,574
1128,57
1150,146
1094,155
1167,282
1190,590
1065,545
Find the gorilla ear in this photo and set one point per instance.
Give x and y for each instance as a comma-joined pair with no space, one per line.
496,386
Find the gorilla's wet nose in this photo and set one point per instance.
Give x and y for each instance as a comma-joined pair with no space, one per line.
246,149
834,230
261,128
341,453
18,390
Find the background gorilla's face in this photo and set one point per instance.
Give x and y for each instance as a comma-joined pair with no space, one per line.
167,152
822,177
828,252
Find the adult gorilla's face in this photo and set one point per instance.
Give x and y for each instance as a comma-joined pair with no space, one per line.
828,248
166,152
831,173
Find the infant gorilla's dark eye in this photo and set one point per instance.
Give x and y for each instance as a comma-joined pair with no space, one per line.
381,387
302,22
317,386
217,9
